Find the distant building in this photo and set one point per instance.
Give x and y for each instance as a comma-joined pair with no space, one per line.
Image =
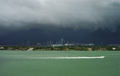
38,43
69,44
56,42
89,49
30,49
62,41
114,45
10,48
91,44
59,42
102,49
50,42
28,42
114,48
1,48
47,43
57,45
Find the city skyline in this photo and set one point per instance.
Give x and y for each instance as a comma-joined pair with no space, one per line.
51,43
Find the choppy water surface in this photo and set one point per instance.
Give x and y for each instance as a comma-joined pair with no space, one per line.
59,63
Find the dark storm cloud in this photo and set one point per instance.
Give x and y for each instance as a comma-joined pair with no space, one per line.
42,14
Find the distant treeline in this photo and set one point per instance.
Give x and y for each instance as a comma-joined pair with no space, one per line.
63,48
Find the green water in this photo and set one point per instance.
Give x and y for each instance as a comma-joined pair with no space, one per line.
15,63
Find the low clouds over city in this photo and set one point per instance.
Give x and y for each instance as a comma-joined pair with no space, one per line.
18,15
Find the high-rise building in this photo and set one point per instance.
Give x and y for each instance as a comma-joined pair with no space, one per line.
31,43
50,42
38,43
47,42
28,42
56,42
59,42
62,41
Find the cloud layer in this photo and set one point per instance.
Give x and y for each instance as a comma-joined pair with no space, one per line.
88,14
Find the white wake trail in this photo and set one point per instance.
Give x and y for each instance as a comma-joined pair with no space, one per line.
100,57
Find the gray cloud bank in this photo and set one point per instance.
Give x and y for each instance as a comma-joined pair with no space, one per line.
86,14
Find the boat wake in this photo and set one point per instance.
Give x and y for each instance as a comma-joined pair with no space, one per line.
100,57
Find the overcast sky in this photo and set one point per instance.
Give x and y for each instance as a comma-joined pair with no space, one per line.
56,16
